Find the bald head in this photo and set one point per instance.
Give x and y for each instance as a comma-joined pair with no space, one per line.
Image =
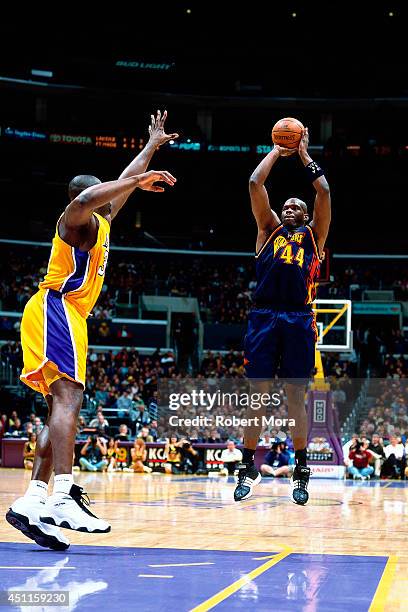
79,183
301,203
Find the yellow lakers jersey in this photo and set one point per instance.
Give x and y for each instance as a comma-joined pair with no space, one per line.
78,275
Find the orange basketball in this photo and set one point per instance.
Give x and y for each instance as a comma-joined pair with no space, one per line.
287,132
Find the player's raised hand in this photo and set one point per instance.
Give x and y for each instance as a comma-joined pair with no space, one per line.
157,134
148,179
304,142
283,151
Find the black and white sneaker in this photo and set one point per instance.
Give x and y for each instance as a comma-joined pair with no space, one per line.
24,515
248,478
71,511
299,483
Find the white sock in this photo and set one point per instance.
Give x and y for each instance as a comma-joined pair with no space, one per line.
63,483
37,488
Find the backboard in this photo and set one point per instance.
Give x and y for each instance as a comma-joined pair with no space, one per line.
333,320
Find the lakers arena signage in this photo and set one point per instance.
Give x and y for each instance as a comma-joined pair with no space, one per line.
211,457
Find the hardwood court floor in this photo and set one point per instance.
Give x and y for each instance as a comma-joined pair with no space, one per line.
347,547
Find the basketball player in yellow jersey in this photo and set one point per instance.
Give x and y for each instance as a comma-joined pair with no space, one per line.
54,340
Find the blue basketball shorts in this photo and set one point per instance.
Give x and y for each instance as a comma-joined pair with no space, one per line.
280,343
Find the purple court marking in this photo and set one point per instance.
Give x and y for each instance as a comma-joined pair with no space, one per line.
373,484
331,583
105,576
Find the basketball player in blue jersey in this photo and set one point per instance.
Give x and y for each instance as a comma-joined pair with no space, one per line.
281,333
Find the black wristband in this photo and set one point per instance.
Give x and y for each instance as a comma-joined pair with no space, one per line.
313,171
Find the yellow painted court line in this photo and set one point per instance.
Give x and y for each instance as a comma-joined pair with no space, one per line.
238,584
380,597
180,564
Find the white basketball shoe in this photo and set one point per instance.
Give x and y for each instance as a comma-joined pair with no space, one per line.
71,511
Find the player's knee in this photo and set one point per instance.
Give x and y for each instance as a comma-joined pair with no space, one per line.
67,393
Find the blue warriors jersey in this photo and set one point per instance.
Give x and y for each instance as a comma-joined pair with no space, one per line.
287,267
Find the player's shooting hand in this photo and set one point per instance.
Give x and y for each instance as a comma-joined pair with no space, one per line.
157,134
283,151
148,179
304,142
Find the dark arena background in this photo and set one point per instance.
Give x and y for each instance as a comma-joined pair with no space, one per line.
77,91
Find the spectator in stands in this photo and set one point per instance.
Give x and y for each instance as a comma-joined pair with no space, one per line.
214,437
319,445
139,456
360,458
101,394
29,452
394,464
377,450
101,425
38,425
230,458
123,435
92,356
99,419
145,435
81,425
124,404
16,428
12,419
31,419
266,440
112,399
93,455
104,330
3,425
153,430
141,416
277,461
124,332
168,362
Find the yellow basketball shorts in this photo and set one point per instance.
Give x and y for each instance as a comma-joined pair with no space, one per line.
54,338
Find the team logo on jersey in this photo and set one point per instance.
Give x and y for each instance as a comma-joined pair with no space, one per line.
279,242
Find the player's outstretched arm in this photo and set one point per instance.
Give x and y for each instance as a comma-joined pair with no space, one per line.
157,138
322,205
266,218
79,211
